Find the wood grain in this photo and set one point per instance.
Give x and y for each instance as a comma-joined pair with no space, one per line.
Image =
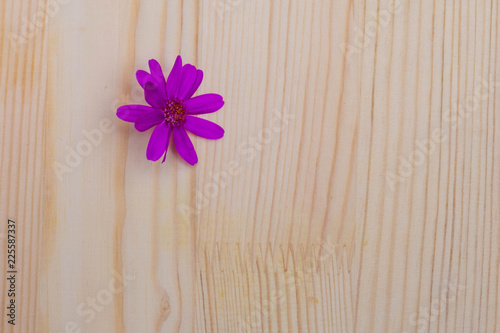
356,188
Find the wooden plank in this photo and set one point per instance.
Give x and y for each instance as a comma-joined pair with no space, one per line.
356,188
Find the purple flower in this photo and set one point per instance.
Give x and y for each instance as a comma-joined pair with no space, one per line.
172,110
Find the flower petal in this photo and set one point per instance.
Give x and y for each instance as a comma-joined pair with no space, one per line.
196,84
133,112
173,78
148,120
143,77
166,145
154,95
206,103
204,128
184,145
156,145
188,76
157,72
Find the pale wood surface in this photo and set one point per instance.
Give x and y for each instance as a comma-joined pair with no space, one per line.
319,211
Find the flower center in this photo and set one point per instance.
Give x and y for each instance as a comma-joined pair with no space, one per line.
175,112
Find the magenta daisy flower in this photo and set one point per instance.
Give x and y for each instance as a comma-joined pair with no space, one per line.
172,109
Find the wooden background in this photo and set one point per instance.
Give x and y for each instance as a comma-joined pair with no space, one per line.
356,188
